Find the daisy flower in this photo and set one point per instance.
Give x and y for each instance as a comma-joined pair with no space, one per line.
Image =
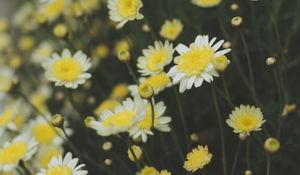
21,148
171,29
158,82
120,119
245,119
138,152
63,166
52,9
122,11
8,111
164,172
6,79
155,58
144,127
42,52
108,104
44,133
68,70
148,170
206,3
45,155
195,63
197,159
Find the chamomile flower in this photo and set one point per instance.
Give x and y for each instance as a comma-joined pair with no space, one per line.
44,133
68,70
206,3
63,166
108,104
7,113
122,11
21,148
6,79
42,52
195,63
148,170
45,154
164,172
120,91
123,117
90,5
155,58
144,127
197,159
158,82
51,9
171,29
245,119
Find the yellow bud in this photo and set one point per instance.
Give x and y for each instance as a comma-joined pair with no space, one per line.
288,108
221,63
270,61
57,120
227,45
194,137
248,172
77,9
271,145
59,95
124,56
26,43
107,146
60,30
146,91
41,18
91,100
137,153
108,162
243,136
15,62
236,21
145,28
234,7
88,120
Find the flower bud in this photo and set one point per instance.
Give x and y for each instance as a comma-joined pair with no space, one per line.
60,30
108,162
236,21
107,146
270,61
124,56
288,108
227,45
88,120
137,153
145,28
57,121
194,137
248,172
146,91
243,136
271,145
234,7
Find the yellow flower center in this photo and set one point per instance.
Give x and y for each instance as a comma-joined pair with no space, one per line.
146,123
197,159
59,170
121,119
67,69
247,122
54,8
195,61
19,121
158,81
39,101
5,117
43,133
207,3
46,158
128,8
157,59
13,153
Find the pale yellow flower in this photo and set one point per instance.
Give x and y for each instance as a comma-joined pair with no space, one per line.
197,159
171,29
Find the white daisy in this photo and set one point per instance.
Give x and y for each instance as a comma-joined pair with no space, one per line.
144,127
122,118
21,148
122,11
195,63
64,166
6,79
42,52
158,82
8,111
68,70
155,58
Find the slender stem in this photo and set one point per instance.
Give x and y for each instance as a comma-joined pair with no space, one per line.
221,132
132,73
268,164
181,115
151,101
248,154
129,145
250,68
236,158
223,95
25,168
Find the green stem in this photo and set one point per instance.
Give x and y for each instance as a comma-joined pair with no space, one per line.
268,164
236,158
223,149
248,154
181,115
151,101
250,69
132,73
